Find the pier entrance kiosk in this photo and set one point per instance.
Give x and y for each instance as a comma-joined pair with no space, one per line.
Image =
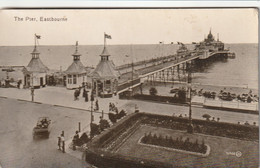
105,76
35,73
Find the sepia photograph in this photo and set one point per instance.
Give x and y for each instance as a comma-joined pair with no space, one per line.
129,88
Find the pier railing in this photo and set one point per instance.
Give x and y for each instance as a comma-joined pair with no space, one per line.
128,84
231,105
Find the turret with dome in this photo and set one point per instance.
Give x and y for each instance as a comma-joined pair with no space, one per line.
210,44
105,76
76,73
35,72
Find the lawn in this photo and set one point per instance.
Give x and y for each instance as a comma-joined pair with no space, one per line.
221,150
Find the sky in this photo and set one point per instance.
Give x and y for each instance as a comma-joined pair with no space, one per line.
128,26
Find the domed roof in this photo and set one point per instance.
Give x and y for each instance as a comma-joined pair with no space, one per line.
210,36
105,70
76,68
36,65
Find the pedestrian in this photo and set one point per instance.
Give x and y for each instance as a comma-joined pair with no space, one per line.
63,142
75,140
97,106
110,106
18,84
59,142
77,135
92,96
86,96
79,91
113,107
84,93
75,95
116,110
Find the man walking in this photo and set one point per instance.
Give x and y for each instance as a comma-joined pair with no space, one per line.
97,106
59,142
86,96
63,142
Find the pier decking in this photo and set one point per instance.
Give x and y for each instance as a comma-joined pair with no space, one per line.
134,74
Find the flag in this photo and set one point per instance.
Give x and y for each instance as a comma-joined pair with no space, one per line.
38,36
108,36
160,42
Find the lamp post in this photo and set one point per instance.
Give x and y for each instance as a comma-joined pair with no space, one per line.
132,74
190,128
32,90
132,83
91,111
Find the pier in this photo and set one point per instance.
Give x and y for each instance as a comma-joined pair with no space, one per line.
163,69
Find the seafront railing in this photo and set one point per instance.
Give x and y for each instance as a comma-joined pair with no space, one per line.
231,105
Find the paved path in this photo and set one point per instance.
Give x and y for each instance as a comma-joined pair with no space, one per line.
197,112
59,96
62,97
20,150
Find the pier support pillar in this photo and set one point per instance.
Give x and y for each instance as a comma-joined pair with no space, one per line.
178,71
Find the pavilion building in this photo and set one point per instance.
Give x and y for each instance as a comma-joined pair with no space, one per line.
76,74
105,76
35,72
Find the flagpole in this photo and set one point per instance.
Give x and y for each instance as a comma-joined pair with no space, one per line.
104,39
132,83
34,40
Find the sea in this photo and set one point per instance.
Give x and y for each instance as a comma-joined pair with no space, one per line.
239,72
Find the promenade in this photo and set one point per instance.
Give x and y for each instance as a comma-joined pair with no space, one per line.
60,96
58,103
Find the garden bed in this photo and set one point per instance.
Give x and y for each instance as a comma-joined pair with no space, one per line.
106,151
174,145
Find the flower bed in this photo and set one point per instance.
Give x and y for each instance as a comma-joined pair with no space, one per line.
178,144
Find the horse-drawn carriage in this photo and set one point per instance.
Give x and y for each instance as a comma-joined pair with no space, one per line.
42,128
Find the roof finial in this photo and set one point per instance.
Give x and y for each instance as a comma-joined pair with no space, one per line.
76,46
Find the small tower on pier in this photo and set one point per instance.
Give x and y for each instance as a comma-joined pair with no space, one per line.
35,72
76,74
105,76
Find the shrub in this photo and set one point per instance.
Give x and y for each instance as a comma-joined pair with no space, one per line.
178,143
153,91
182,94
94,129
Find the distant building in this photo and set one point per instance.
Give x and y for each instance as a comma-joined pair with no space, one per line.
105,76
12,75
35,72
76,74
211,44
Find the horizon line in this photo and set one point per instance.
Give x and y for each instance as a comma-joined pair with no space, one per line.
115,44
